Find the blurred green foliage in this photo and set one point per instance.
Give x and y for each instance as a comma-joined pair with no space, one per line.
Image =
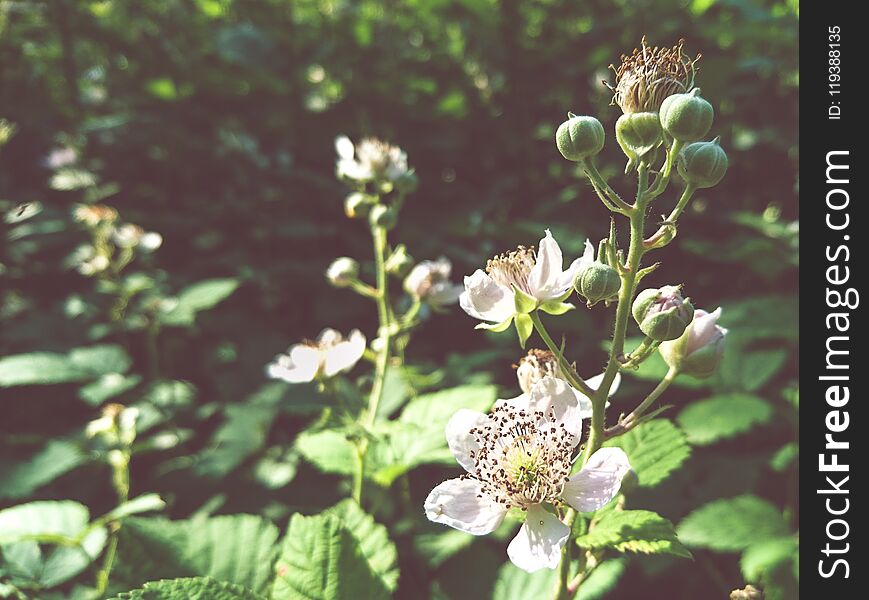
212,122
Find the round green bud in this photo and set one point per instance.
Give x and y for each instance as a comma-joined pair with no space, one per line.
702,164
399,262
357,204
662,314
579,138
639,134
342,272
686,117
383,216
597,282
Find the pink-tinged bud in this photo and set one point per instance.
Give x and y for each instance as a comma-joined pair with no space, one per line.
699,350
662,314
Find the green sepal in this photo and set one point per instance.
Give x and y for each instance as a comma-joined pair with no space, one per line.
524,327
553,307
524,303
496,327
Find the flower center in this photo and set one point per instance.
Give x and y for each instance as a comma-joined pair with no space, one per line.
513,268
524,456
649,75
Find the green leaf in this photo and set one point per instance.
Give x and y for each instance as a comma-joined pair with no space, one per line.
321,560
523,302
81,364
764,557
108,386
524,327
556,308
62,523
496,327
604,578
732,524
373,540
640,531
138,505
440,546
512,583
240,549
764,317
22,478
194,588
655,449
745,368
328,450
723,416
198,297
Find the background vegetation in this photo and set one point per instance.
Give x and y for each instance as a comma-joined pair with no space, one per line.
212,122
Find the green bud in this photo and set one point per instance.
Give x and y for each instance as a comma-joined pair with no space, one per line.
358,204
686,117
399,262
342,271
383,216
699,350
639,134
579,138
662,314
702,164
597,282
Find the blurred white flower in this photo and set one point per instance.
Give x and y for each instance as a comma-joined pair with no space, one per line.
88,261
429,281
490,295
129,235
61,157
94,214
329,355
370,160
537,364
520,456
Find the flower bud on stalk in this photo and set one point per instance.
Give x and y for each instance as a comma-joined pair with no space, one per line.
358,204
342,272
699,350
596,282
686,117
383,216
662,314
580,138
399,262
639,134
702,164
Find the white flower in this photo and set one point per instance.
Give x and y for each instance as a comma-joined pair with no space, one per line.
537,364
129,235
430,282
520,456
371,160
329,355
490,295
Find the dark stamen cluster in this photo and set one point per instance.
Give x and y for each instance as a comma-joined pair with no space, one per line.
524,457
649,75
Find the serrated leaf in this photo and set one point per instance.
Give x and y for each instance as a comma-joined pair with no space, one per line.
732,524
640,531
746,368
80,364
328,450
655,449
136,506
604,578
321,560
198,297
373,539
765,556
240,549
23,477
62,523
512,583
440,546
193,588
722,416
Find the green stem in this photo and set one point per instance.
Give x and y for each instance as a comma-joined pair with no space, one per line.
600,185
630,421
570,373
121,483
561,586
663,179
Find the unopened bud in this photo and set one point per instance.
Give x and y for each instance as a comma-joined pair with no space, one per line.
686,117
399,262
699,350
342,272
639,134
383,216
579,138
596,282
702,164
662,314
358,204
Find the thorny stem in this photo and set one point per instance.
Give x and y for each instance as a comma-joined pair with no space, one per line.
687,193
572,376
600,185
561,589
663,178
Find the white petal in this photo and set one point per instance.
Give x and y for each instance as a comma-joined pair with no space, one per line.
702,329
345,354
299,366
538,543
594,383
442,294
460,504
555,398
599,480
566,279
547,268
344,147
459,438
487,300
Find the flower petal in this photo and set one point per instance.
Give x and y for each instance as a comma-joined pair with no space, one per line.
344,355
538,543
444,293
556,398
461,504
485,299
599,480
344,147
459,438
299,366
702,329
547,268
565,280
